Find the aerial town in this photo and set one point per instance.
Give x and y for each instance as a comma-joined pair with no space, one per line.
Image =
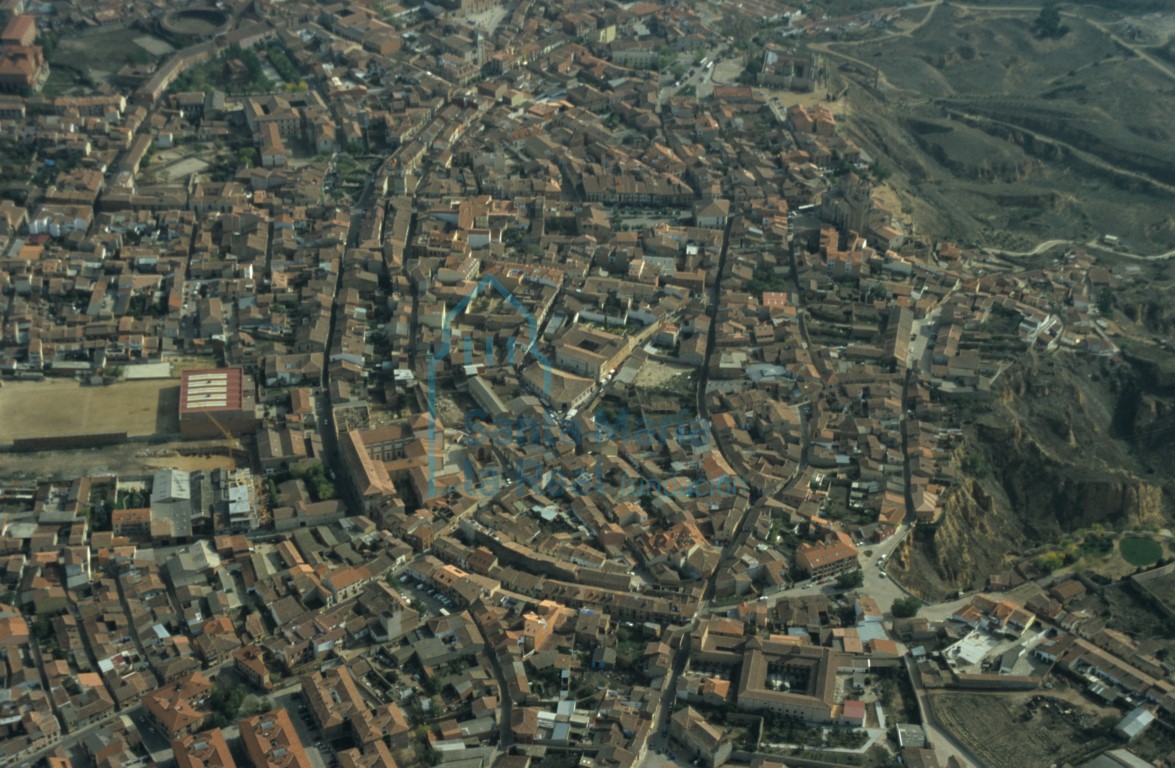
516,384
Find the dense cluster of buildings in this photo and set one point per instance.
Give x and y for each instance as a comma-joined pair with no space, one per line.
534,374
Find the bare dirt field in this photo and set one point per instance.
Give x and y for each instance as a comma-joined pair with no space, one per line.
818,97
994,728
154,45
126,460
202,463
654,374
101,52
57,408
182,169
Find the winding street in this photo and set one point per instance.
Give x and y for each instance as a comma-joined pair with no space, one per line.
1050,244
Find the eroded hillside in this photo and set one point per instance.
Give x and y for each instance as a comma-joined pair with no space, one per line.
1064,444
1001,139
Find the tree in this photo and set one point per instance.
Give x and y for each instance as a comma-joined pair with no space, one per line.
850,579
1048,23
320,488
1105,726
48,43
665,57
42,629
225,703
1105,302
1050,561
905,607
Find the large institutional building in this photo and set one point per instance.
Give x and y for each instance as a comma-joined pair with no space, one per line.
216,400
777,673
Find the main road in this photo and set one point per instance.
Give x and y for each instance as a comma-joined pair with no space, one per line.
1048,245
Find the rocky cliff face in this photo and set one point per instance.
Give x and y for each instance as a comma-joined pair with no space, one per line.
1045,460
972,539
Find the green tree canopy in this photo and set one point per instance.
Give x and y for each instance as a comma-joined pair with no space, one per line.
850,579
1048,23
906,607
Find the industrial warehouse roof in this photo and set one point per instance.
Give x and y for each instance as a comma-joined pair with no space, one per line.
215,389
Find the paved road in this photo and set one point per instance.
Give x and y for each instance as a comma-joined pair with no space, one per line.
332,454
681,657
878,585
657,738
700,79
1094,244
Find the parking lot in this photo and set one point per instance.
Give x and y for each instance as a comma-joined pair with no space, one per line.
424,596
666,753
156,744
320,753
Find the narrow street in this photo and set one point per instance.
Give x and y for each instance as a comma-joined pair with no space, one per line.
333,457
505,705
73,739
943,742
681,657
134,634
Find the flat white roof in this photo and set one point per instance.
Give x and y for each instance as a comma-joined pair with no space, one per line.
219,403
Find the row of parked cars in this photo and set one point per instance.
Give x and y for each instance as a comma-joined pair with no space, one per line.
440,597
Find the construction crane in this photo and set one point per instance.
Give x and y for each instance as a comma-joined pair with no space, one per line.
234,445
236,450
